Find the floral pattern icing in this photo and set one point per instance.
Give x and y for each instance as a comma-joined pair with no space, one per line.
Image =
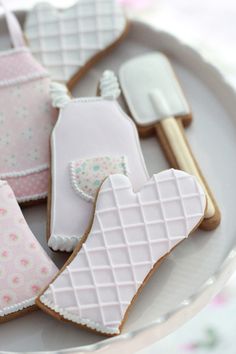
25,269
25,125
87,175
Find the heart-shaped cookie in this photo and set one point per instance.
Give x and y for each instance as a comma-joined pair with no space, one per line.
69,41
130,234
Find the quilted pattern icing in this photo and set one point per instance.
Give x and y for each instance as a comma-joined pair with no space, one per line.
64,41
130,233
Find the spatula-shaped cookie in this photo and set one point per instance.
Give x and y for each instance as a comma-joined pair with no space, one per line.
157,105
129,236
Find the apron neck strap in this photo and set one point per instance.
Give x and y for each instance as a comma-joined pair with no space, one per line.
16,34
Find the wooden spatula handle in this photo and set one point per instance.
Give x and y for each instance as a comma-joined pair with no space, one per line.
177,149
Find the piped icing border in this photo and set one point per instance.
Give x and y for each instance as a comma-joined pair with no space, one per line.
24,173
17,307
83,321
22,79
63,243
32,197
29,69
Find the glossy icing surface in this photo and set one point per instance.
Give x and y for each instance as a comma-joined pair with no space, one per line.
65,41
151,89
130,233
87,128
25,268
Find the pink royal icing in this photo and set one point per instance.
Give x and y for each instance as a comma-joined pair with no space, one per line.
25,268
130,233
25,124
86,128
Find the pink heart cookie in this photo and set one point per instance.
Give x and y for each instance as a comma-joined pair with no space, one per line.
25,269
131,232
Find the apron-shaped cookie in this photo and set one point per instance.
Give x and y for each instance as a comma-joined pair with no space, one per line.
69,41
26,119
25,268
130,235
92,139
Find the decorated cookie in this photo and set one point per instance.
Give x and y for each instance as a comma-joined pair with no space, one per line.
25,269
26,119
92,139
130,234
158,106
69,41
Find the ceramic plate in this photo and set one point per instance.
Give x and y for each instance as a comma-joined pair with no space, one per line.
181,286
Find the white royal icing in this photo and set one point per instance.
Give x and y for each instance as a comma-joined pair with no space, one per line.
17,307
87,127
87,175
109,86
26,172
38,196
65,41
63,243
151,89
59,94
130,233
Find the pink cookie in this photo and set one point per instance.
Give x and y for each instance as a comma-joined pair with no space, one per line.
25,269
130,234
26,119
92,139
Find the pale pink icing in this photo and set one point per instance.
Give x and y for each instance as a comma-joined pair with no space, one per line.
26,117
36,183
25,268
130,233
18,63
87,128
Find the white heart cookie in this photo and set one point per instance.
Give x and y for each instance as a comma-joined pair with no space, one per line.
65,41
130,233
